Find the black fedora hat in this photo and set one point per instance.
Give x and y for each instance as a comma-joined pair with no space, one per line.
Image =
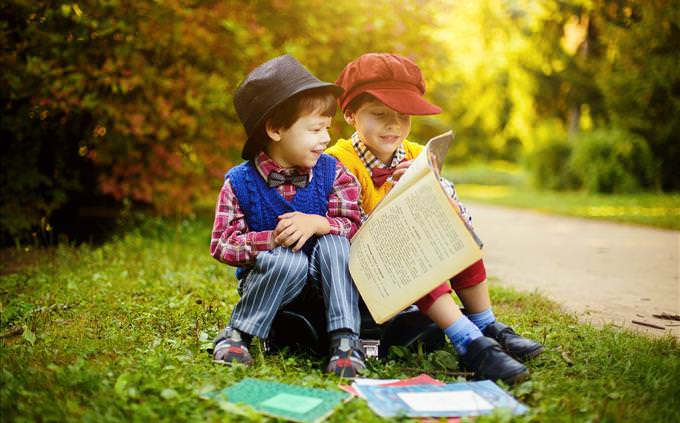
267,86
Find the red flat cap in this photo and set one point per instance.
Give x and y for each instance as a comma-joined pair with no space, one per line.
394,80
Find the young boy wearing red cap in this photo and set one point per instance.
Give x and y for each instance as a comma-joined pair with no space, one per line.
382,92
284,216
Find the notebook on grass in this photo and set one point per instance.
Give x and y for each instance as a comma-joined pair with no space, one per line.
296,403
450,400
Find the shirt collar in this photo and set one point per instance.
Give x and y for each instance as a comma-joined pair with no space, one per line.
265,165
369,160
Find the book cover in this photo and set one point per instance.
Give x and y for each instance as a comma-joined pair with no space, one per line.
450,400
413,240
291,402
417,380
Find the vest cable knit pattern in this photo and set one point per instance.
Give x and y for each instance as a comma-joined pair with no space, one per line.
262,205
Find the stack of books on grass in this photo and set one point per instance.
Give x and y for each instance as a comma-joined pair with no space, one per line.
425,397
421,396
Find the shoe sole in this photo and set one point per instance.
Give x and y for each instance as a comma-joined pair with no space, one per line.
520,377
531,354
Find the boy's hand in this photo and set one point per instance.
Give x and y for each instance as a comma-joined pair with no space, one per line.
400,170
294,229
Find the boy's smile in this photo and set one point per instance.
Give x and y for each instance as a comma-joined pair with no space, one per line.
380,128
302,144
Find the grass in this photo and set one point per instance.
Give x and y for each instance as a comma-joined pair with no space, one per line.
119,332
507,185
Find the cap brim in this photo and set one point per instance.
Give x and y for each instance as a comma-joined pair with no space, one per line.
254,144
403,101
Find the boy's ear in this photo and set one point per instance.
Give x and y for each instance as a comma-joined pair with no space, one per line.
349,117
274,134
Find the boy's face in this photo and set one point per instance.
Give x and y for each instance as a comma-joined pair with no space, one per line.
381,129
300,145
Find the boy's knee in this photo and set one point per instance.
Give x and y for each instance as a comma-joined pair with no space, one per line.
333,245
282,261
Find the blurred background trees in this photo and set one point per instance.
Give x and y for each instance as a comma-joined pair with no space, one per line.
108,105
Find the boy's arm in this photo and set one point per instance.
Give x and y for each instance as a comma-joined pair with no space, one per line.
231,241
450,190
344,203
343,216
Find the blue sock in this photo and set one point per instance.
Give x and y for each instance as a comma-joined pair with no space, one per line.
482,319
461,333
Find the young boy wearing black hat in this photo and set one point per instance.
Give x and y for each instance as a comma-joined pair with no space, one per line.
285,215
382,91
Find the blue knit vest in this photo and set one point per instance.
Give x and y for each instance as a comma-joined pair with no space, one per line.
262,205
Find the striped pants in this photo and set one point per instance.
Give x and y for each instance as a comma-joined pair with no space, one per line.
279,275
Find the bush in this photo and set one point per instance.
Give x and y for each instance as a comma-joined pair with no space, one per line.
612,160
548,164
130,101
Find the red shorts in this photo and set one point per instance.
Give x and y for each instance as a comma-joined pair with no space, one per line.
470,276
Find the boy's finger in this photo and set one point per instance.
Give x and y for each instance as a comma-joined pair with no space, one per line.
300,243
398,174
284,234
404,165
281,226
292,239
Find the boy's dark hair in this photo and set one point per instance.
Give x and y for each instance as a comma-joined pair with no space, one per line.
287,113
359,101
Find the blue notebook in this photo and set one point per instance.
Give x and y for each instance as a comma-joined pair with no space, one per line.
451,400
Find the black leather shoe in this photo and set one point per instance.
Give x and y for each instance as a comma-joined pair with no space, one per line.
517,346
487,359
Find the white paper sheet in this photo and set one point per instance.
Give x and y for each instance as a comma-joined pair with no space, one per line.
445,401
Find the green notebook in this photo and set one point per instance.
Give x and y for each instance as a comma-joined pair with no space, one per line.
290,402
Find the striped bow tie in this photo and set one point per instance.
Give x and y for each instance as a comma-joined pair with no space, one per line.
276,178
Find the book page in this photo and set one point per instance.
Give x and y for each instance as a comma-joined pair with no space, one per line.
434,153
408,247
437,148
419,167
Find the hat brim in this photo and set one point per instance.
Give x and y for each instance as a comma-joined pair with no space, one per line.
404,101
255,143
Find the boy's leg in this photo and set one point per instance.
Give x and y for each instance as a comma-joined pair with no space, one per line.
478,353
277,277
473,291
329,265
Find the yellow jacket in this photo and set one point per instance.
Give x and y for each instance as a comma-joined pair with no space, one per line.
370,195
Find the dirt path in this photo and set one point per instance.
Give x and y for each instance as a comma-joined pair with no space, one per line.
604,272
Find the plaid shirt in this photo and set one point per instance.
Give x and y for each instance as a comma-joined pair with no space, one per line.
234,244
370,161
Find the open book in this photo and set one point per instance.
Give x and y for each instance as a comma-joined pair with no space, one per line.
414,240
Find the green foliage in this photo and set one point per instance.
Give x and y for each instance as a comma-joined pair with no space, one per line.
489,173
119,332
548,166
517,65
612,160
131,100
548,160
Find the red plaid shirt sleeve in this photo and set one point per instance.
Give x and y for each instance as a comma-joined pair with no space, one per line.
231,241
344,210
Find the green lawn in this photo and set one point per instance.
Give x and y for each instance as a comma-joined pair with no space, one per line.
118,333
659,210
508,185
